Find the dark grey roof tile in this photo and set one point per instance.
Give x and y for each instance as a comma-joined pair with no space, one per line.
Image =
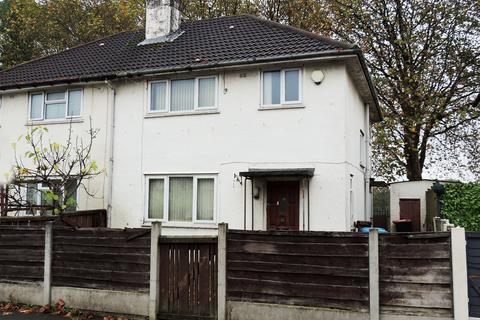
204,43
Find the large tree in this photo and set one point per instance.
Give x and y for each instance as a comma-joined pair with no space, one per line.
424,57
30,29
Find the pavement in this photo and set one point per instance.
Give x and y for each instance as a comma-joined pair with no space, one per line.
31,316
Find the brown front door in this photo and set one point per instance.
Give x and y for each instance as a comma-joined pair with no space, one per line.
410,209
283,205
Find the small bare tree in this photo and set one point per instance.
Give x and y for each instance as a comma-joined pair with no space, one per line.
47,176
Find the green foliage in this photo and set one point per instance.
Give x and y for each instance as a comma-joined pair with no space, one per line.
30,29
423,57
461,205
47,175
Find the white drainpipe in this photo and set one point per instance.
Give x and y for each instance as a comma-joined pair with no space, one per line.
111,153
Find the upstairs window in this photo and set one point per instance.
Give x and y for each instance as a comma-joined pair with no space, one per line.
183,95
281,87
55,105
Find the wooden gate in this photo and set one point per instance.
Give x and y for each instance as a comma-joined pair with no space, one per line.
473,265
188,278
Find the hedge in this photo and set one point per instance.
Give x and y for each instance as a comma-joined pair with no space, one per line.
461,205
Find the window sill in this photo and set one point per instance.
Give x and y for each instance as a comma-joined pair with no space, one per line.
282,107
48,122
184,225
180,114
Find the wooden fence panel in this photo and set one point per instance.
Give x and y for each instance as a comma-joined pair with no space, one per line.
117,259
21,253
188,278
415,274
3,201
317,269
77,219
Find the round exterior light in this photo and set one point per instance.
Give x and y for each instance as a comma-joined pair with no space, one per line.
318,76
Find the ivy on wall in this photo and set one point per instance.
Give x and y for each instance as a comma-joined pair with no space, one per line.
461,205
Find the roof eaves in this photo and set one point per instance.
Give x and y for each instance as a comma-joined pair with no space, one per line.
191,67
373,91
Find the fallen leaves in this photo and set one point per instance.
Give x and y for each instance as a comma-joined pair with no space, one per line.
59,309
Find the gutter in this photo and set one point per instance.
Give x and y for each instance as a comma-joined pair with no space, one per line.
363,64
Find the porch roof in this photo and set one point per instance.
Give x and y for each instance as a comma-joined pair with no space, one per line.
263,173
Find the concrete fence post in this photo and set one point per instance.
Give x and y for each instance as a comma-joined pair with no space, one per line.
222,271
459,273
154,296
374,274
47,264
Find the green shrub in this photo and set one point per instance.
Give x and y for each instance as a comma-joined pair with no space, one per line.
461,205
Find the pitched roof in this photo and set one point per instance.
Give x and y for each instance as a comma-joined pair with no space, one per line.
206,43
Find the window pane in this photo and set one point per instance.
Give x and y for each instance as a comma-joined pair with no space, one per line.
183,95
55,96
70,195
36,106
180,199
158,96
32,193
74,103
271,87
206,92
155,199
55,111
205,199
44,201
292,79
32,197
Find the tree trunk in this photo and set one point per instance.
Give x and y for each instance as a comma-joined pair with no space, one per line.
414,167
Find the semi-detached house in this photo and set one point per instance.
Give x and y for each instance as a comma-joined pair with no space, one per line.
235,119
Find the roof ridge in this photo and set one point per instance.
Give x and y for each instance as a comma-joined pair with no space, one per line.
64,50
278,25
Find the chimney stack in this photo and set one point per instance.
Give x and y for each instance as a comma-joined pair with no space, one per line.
162,19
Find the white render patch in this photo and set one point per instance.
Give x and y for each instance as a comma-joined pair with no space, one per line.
162,19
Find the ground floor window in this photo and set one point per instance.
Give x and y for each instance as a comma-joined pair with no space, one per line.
181,198
36,197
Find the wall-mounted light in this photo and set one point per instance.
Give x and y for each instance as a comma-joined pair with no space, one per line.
256,192
318,76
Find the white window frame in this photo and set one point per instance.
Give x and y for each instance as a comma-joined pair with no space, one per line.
40,189
168,101
30,106
283,102
166,192
167,96
67,97
45,103
197,95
